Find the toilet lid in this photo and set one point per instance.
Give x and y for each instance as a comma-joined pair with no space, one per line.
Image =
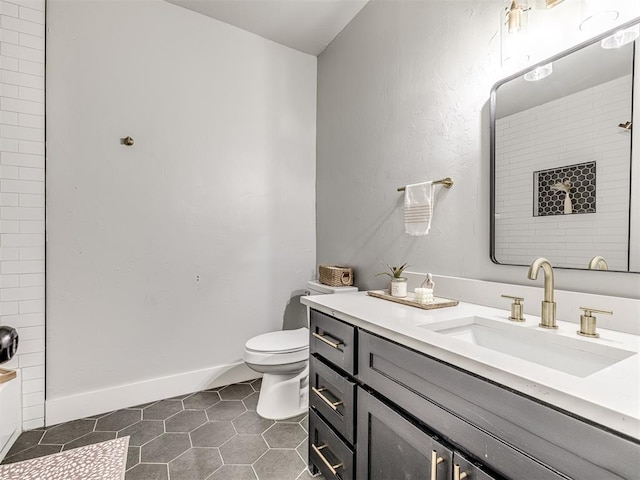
280,342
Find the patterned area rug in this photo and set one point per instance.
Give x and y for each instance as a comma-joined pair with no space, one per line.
100,461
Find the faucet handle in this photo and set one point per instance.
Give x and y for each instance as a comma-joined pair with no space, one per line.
588,321
516,308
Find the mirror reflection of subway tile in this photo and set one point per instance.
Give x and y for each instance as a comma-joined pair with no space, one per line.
550,136
582,181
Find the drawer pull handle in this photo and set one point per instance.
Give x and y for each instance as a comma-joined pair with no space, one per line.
332,468
332,405
325,340
457,474
435,460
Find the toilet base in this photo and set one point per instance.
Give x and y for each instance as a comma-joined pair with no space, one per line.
284,396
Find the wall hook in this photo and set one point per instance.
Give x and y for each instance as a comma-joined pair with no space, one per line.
128,141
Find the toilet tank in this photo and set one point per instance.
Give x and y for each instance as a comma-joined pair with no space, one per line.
317,288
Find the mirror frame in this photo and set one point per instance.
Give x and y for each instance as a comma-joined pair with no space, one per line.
492,134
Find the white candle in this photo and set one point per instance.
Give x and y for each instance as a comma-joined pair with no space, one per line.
428,295
421,295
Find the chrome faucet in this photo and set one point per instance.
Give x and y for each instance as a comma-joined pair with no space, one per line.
548,311
598,263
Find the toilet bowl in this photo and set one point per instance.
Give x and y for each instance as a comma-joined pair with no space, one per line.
283,359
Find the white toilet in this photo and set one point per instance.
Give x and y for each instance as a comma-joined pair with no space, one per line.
283,359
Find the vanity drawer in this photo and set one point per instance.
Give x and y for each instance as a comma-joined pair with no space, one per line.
333,395
504,429
330,455
334,340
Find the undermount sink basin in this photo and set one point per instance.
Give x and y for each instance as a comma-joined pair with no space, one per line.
575,356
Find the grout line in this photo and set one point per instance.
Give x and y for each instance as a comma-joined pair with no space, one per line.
137,459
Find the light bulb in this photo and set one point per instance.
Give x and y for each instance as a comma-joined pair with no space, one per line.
539,73
621,37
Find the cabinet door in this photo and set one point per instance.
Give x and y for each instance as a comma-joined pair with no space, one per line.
464,469
391,447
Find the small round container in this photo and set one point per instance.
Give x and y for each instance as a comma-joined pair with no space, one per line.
399,287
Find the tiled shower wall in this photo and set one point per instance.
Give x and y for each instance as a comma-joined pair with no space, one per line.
22,186
566,240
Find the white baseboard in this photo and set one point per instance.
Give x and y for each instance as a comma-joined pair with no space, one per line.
85,404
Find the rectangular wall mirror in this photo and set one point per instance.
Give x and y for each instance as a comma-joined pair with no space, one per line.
564,181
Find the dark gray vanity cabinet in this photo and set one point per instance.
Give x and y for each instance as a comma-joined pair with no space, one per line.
412,410
513,435
332,397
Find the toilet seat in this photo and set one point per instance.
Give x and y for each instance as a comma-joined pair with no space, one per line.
280,342
285,347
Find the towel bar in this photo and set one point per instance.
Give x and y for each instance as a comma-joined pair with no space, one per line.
447,182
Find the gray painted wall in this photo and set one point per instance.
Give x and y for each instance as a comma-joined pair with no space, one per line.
163,258
403,97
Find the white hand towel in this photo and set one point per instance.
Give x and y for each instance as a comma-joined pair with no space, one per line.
418,208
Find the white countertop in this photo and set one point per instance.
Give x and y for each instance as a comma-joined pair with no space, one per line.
610,397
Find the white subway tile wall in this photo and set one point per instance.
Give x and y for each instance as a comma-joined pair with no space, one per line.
22,240
578,128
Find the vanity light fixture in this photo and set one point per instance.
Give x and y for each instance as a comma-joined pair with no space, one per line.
515,20
621,37
539,73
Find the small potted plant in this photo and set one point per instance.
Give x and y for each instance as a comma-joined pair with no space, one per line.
398,286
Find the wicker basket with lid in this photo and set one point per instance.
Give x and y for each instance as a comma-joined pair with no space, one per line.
336,276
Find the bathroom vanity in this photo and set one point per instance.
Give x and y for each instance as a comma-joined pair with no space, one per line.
10,408
400,393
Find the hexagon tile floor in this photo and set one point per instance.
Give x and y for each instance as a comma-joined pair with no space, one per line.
210,435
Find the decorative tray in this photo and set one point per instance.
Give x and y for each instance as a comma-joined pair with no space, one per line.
6,375
438,302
